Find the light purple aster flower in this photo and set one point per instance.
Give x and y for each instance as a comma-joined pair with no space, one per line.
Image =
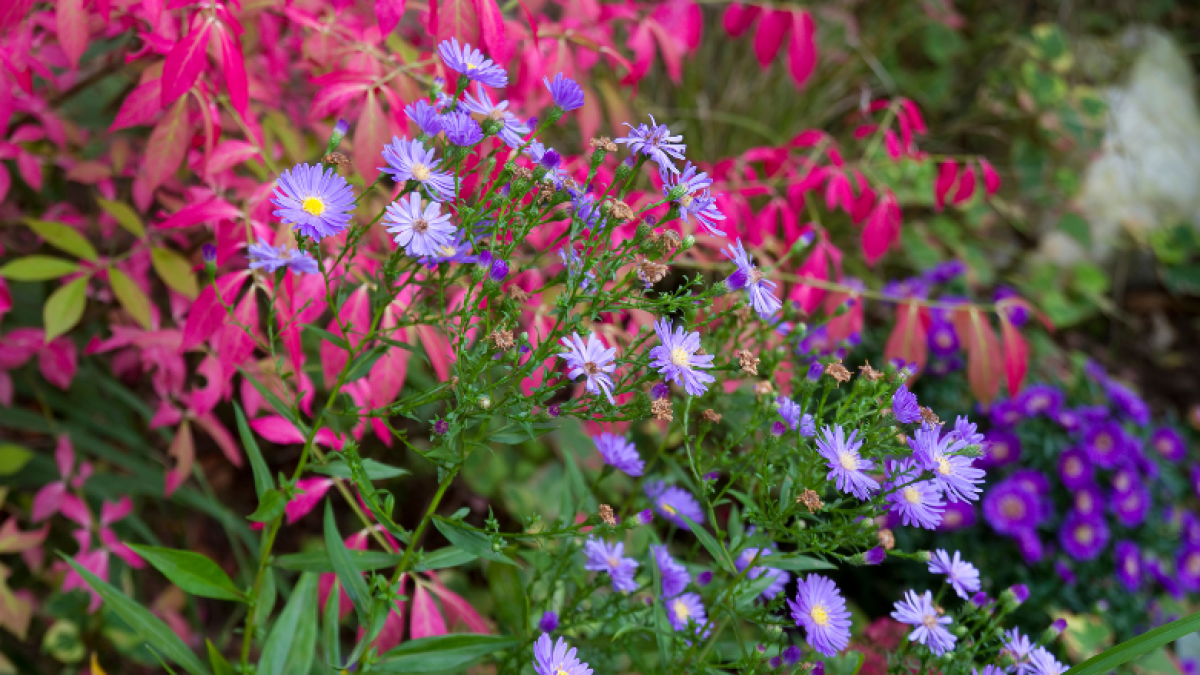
265,257
966,431
557,658
410,160
962,576
1030,545
955,474
917,503
929,626
471,62
655,142
789,410
1187,568
645,517
620,454
315,201
942,338
1010,508
567,93
419,230
686,609
1018,646
697,200
1064,572
460,129
425,116
747,276
513,131
1067,419
1107,444
846,465
674,577
671,502
605,557
1128,402
591,360
1042,662
574,264
815,369
780,577
821,611
1129,565
1001,448
1075,469
905,408
548,622
676,358
988,670
1083,538
1168,444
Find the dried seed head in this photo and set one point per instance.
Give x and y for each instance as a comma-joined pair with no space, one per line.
522,173
606,514
747,361
764,388
886,539
665,238
711,415
838,372
622,211
650,272
929,417
502,339
337,159
811,500
742,313
454,383
603,143
518,294
868,372
660,408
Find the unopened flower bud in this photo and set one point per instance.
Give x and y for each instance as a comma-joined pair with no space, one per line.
339,132
478,273
959,630
485,402
624,170
972,451
676,193
1013,596
1051,634
554,114
924,556
491,127
496,547
688,242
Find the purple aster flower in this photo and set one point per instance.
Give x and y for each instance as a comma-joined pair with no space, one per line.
1075,469
955,474
775,662
550,159
619,453
942,338
966,431
567,93
1129,565
419,230
962,576
269,258
917,503
789,410
1002,447
645,517
747,277
425,116
1190,527
791,655
1032,481
1017,314
958,516
676,358
905,407
1064,572
574,265
929,626
1128,402
671,502
1187,568
674,577
1189,666
457,250
945,271
875,556
655,142
1018,646
1107,444
1040,399
660,390
557,658
1088,502
441,427
780,577
981,599
460,129
591,360
704,578
1194,476
1168,444
778,429
821,611
698,201
554,410
1160,575
208,253
1131,507
1018,592
1069,420
1083,538
315,201
1010,508
497,270
846,465
605,557
1004,413
1030,545
988,670
815,369
409,160
513,131
1042,662
548,622
686,609
471,62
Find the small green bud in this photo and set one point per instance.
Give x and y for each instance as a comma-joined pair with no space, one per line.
959,630
676,193
554,114
485,402
924,556
598,156
688,242
478,273
496,547
718,289
624,171
491,127
491,287
972,451
524,336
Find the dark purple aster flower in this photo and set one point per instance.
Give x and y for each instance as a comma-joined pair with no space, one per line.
410,160
789,410
954,473
550,159
461,129
791,655
471,62
548,622
593,361
1129,564
875,556
554,410
945,271
676,358
942,339
1069,420
1075,469
1010,508
674,576
1128,402
1040,399
1019,593
821,611
980,599
905,407
704,578
958,516
671,502
620,454
1001,448
441,427
758,290
1189,666
314,200
917,503
567,93
1032,480
1088,502
1161,576
1064,571
846,465
1005,413
1091,414
208,253
557,658
655,142
425,116
1189,527
1194,475
775,662
1030,545
780,577
903,289
605,557
1083,538
513,131
929,627
1017,313
815,369
962,576
1131,508
660,390
1168,444
1107,444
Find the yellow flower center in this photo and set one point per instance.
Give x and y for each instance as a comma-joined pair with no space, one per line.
943,340
681,610
819,615
667,507
1012,507
680,357
1193,565
930,621
420,172
1074,467
847,461
944,467
686,201
447,251
1083,501
313,206
1164,446
1131,567
614,563
471,66
1084,534
1104,442
1132,502
1000,451
912,495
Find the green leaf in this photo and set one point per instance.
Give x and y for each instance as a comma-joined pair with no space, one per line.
508,591
793,563
331,642
126,216
514,434
270,506
287,413
266,598
328,337
263,482
174,270
37,268
149,627
1074,226
364,362
714,549
13,458
318,561
63,237
220,666
1129,650
441,653
375,470
344,567
130,295
191,572
292,643
444,558
470,540
64,307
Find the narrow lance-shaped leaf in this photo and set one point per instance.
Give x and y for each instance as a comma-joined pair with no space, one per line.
292,643
131,296
37,268
263,481
347,572
191,572
63,237
125,216
1016,355
64,308
1107,660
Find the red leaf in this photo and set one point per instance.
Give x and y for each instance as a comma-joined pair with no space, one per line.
966,186
802,50
227,155
1016,355
142,104
235,71
458,609
947,172
492,30
991,179
672,51
457,18
58,362
167,147
892,142
387,15
370,135
210,211
984,367
427,620
356,316
185,61
641,43
12,12
71,22
907,340
738,18
769,38
207,314
529,18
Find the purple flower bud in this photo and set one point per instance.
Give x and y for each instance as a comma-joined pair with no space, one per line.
550,159
1019,593
651,220
645,517
791,655
875,555
660,390
341,128
818,668
549,622
1059,626
761,648
628,161
554,410
778,428
980,599
499,270
815,370
441,427
712,475
704,578
531,122
209,253
775,662
485,258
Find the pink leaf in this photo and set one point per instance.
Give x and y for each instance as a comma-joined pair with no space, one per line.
227,155
802,50
234,66
112,512
234,343
458,609
140,107
492,30
387,15
1016,355
738,18
6,388
892,142
456,18
769,38
224,440
356,316
208,211
370,136
947,172
671,50
427,620
277,430
58,362
207,313
71,22
166,148
309,493
907,340
185,61
5,183
183,449
991,179
966,186
64,456
47,501
985,369
12,12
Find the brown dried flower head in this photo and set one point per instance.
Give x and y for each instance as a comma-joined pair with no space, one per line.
502,339
668,238
660,408
337,159
622,211
742,313
928,416
763,388
811,500
868,372
649,271
747,361
603,143
711,415
886,539
518,294
606,514
522,173
838,372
